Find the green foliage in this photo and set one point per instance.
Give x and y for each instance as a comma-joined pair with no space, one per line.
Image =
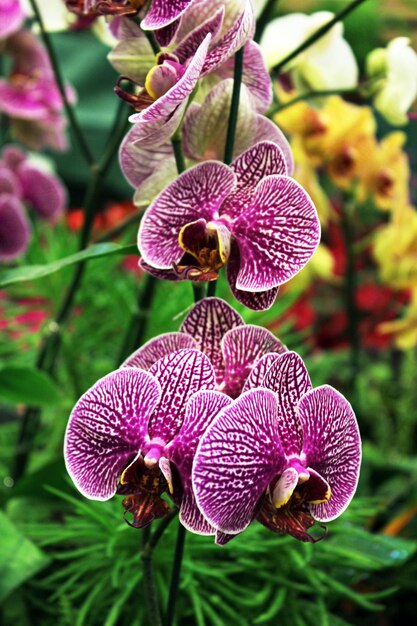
27,386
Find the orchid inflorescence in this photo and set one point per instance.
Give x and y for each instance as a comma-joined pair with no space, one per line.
219,417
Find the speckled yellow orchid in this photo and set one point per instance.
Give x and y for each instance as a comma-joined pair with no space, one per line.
404,330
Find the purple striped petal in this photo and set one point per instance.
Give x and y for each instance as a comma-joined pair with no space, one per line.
106,430
255,75
332,446
45,192
289,378
14,228
179,374
259,301
162,13
277,235
188,46
268,131
236,459
202,408
158,348
197,193
292,519
251,167
139,164
257,374
133,55
242,348
285,486
208,322
156,120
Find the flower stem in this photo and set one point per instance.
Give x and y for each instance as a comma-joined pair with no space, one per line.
178,153
137,327
175,576
50,346
317,34
264,18
234,107
76,128
151,596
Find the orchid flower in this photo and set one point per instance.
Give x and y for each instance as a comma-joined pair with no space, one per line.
283,453
234,348
135,433
250,215
12,16
14,225
394,69
30,95
327,64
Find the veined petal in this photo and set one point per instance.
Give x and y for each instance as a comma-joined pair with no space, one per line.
180,374
14,228
133,55
242,348
45,192
332,446
162,13
259,301
284,488
106,430
292,519
251,167
138,163
207,323
289,379
277,235
257,374
202,408
158,348
196,194
266,130
236,459
188,46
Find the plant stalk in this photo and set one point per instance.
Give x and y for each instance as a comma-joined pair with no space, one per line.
151,595
234,107
175,576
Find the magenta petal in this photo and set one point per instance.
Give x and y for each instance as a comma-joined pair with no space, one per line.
242,348
161,274
158,348
14,228
277,235
22,102
289,378
179,374
12,16
9,183
259,301
257,374
208,322
156,121
188,46
44,191
251,167
163,12
236,459
268,131
195,194
106,430
332,446
202,408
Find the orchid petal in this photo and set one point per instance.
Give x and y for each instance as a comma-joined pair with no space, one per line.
236,459
259,301
251,167
208,322
266,130
332,447
14,228
12,17
195,194
202,408
285,486
106,430
44,191
292,519
9,182
257,374
289,378
158,348
133,55
188,46
180,374
162,13
242,348
277,235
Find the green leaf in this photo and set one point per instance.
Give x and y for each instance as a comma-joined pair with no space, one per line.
33,272
19,558
27,385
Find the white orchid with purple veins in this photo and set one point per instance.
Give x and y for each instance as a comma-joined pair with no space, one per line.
285,454
250,215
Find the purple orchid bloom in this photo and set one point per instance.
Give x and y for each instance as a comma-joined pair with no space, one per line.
12,16
30,96
14,225
250,215
135,433
237,352
285,454
162,13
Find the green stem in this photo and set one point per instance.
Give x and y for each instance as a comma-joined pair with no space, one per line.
151,595
264,19
76,128
211,289
178,153
234,107
175,576
50,346
317,34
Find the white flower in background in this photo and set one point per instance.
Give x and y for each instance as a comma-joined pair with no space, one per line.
327,64
258,6
54,13
396,65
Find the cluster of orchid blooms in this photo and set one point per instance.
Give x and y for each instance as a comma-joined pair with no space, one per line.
220,417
